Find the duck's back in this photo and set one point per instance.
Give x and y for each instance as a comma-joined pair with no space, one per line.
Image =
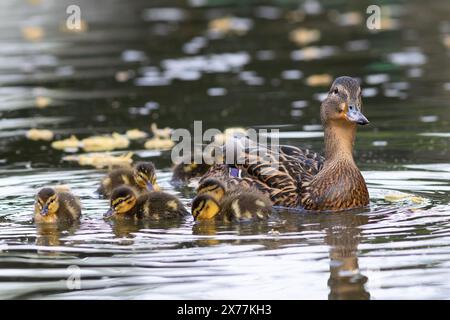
114,179
69,207
244,205
160,205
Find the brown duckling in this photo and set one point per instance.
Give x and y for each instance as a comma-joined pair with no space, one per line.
183,172
126,204
216,202
142,177
52,206
302,178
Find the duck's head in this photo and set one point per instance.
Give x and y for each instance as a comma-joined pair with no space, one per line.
123,201
343,104
47,202
213,188
145,176
204,207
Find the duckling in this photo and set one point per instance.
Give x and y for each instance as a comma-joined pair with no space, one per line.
52,206
302,178
183,172
214,201
126,204
142,177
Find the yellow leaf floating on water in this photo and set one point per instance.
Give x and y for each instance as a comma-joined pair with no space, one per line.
105,143
397,197
230,25
42,102
317,80
70,143
158,143
161,133
33,33
304,36
101,160
135,134
39,134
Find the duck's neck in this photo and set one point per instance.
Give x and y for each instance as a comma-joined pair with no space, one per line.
339,140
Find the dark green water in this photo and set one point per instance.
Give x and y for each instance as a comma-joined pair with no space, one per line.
392,250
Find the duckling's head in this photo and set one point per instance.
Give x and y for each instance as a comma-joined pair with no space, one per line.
204,207
343,104
145,175
47,202
123,201
212,187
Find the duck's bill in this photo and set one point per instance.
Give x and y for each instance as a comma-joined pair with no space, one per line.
357,117
44,211
108,213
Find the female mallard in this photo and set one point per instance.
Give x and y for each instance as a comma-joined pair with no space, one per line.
142,177
301,178
52,206
126,204
216,202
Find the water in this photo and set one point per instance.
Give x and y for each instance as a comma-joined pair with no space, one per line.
138,63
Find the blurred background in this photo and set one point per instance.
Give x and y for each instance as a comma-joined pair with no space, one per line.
229,63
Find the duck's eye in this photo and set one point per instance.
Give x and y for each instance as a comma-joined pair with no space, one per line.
335,91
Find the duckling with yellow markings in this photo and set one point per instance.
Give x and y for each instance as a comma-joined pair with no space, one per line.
126,204
54,205
216,202
142,177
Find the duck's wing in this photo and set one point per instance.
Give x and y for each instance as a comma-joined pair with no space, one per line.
278,172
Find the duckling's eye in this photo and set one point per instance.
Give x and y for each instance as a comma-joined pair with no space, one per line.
335,91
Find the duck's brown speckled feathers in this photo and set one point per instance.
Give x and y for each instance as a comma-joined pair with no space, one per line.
294,177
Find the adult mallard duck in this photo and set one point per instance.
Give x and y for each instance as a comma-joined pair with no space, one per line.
54,205
302,178
215,201
142,177
126,204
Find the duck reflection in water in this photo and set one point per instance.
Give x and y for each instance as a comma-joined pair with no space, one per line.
342,235
50,234
126,228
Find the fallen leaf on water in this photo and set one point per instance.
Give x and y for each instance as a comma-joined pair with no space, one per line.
69,143
39,134
101,160
135,134
446,41
317,80
396,197
161,133
42,102
302,36
33,33
230,25
105,143
158,143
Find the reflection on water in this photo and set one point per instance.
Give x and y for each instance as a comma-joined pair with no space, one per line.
228,64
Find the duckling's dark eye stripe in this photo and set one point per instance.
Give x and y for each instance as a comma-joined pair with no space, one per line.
199,209
119,200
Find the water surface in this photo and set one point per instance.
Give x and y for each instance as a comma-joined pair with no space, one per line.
140,62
